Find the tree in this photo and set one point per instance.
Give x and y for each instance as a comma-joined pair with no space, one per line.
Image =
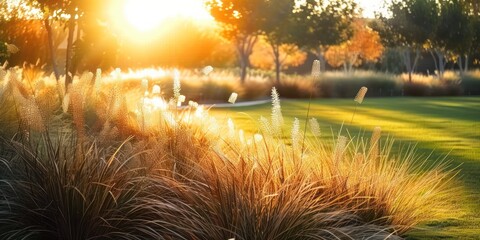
410,26
242,22
22,25
474,6
287,55
49,10
453,35
364,45
321,23
279,28
475,47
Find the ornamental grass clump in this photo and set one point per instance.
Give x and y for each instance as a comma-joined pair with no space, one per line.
126,163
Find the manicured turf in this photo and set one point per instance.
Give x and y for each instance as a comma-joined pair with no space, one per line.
447,126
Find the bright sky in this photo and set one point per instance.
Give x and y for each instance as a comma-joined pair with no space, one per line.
146,15
143,16
370,7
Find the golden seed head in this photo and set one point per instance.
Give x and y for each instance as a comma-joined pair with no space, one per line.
316,69
361,95
314,127
233,98
155,90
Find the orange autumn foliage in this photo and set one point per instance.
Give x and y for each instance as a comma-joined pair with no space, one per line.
290,56
364,46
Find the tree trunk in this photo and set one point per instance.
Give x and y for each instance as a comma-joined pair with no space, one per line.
415,61
434,60
68,60
243,69
51,48
441,64
461,65
244,47
76,56
407,60
321,57
276,59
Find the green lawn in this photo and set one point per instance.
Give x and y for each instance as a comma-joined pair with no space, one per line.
447,126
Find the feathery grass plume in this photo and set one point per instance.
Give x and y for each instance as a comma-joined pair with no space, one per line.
361,95
296,135
39,85
13,76
192,104
124,120
113,103
31,115
314,127
47,101
359,100
231,128
340,148
27,108
62,89
169,118
176,84
207,70
3,74
12,48
3,81
241,136
77,102
156,90
375,143
316,70
103,135
5,65
266,126
277,117
98,74
31,75
66,102
233,98
359,159
257,137
180,100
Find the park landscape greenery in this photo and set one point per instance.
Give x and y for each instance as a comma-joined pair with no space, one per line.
136,155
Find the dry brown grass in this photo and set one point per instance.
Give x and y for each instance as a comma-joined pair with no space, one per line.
209,176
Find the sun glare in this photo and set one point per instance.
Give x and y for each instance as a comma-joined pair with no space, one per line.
146,15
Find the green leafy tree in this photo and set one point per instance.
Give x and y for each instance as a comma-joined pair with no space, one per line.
411,24
453,35
22,25
242,22
475,47
50,10
75,15
320,23
278,29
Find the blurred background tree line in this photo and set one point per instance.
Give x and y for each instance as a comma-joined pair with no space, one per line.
280,35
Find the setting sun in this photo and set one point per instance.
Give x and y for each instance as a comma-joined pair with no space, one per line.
145,15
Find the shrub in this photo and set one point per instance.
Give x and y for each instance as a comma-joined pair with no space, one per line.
471,83
422,85
297,87
339,84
